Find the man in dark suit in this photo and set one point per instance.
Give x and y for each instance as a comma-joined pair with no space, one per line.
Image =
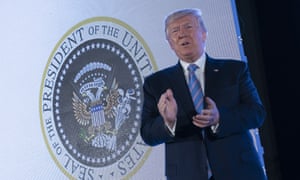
214,143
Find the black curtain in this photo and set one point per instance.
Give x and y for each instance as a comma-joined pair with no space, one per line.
270,32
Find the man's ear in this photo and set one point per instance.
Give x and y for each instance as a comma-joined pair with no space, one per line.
204,35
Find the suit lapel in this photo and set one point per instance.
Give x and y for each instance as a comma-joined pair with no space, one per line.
211,75
180,89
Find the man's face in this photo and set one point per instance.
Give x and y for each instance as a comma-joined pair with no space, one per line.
186,38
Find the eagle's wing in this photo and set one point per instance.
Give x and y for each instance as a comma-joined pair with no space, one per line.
81,113
112,99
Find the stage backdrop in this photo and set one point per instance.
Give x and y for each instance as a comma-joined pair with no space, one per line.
72,74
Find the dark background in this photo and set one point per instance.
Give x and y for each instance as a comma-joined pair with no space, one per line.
271,40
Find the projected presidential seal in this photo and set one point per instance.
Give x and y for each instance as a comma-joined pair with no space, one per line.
91,100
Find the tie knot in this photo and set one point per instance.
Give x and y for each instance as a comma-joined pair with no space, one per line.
192,67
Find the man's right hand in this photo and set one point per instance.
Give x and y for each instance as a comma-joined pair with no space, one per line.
167,107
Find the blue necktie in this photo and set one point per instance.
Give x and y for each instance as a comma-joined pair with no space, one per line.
197,95
195,88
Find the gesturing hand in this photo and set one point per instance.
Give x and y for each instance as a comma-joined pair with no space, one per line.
208,116
167,107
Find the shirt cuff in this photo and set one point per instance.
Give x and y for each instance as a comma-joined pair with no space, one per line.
171,130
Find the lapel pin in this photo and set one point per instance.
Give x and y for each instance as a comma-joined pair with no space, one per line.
216,70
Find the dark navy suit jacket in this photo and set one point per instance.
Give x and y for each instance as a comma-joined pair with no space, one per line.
231,152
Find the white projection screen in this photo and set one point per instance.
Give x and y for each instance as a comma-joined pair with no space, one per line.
58,57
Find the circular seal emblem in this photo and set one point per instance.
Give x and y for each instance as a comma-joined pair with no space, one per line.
91,99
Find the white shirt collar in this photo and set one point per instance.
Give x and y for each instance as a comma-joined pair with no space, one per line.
199,62
199,72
